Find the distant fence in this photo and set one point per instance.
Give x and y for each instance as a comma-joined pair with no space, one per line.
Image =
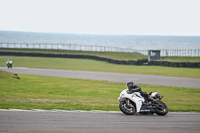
76,47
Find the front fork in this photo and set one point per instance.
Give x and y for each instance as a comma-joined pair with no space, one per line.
128,103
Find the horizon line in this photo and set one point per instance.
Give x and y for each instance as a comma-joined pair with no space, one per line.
97,33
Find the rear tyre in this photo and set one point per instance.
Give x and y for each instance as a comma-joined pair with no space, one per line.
127,109
162,109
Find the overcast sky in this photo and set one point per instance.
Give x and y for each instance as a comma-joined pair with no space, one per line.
138,17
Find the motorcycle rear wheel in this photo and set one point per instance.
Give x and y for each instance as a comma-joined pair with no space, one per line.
163,111
127,109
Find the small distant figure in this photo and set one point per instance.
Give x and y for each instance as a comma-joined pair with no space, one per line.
9,63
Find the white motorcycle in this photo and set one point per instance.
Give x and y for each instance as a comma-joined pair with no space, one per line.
129,104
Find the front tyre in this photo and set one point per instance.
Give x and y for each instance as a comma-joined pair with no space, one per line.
162,109
127,109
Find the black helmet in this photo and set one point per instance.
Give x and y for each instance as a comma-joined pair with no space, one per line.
130,85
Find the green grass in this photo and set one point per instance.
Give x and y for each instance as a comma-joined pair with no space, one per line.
112,55
42,92
181,59
92,65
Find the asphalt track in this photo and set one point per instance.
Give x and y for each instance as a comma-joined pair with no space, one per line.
96,122
112,77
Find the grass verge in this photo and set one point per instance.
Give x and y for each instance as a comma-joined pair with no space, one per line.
112,55
42,92
91,65
181,59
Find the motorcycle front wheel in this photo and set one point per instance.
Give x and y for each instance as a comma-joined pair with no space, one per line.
162,110
127,109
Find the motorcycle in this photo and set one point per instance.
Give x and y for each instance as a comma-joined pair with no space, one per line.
133,103
9,65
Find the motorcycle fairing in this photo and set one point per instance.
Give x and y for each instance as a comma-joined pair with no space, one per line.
134,97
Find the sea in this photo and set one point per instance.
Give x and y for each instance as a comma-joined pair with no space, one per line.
138,42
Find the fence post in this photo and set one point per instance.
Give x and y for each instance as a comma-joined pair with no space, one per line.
191,52
181,53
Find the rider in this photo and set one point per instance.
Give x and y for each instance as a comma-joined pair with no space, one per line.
9,63
135,88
